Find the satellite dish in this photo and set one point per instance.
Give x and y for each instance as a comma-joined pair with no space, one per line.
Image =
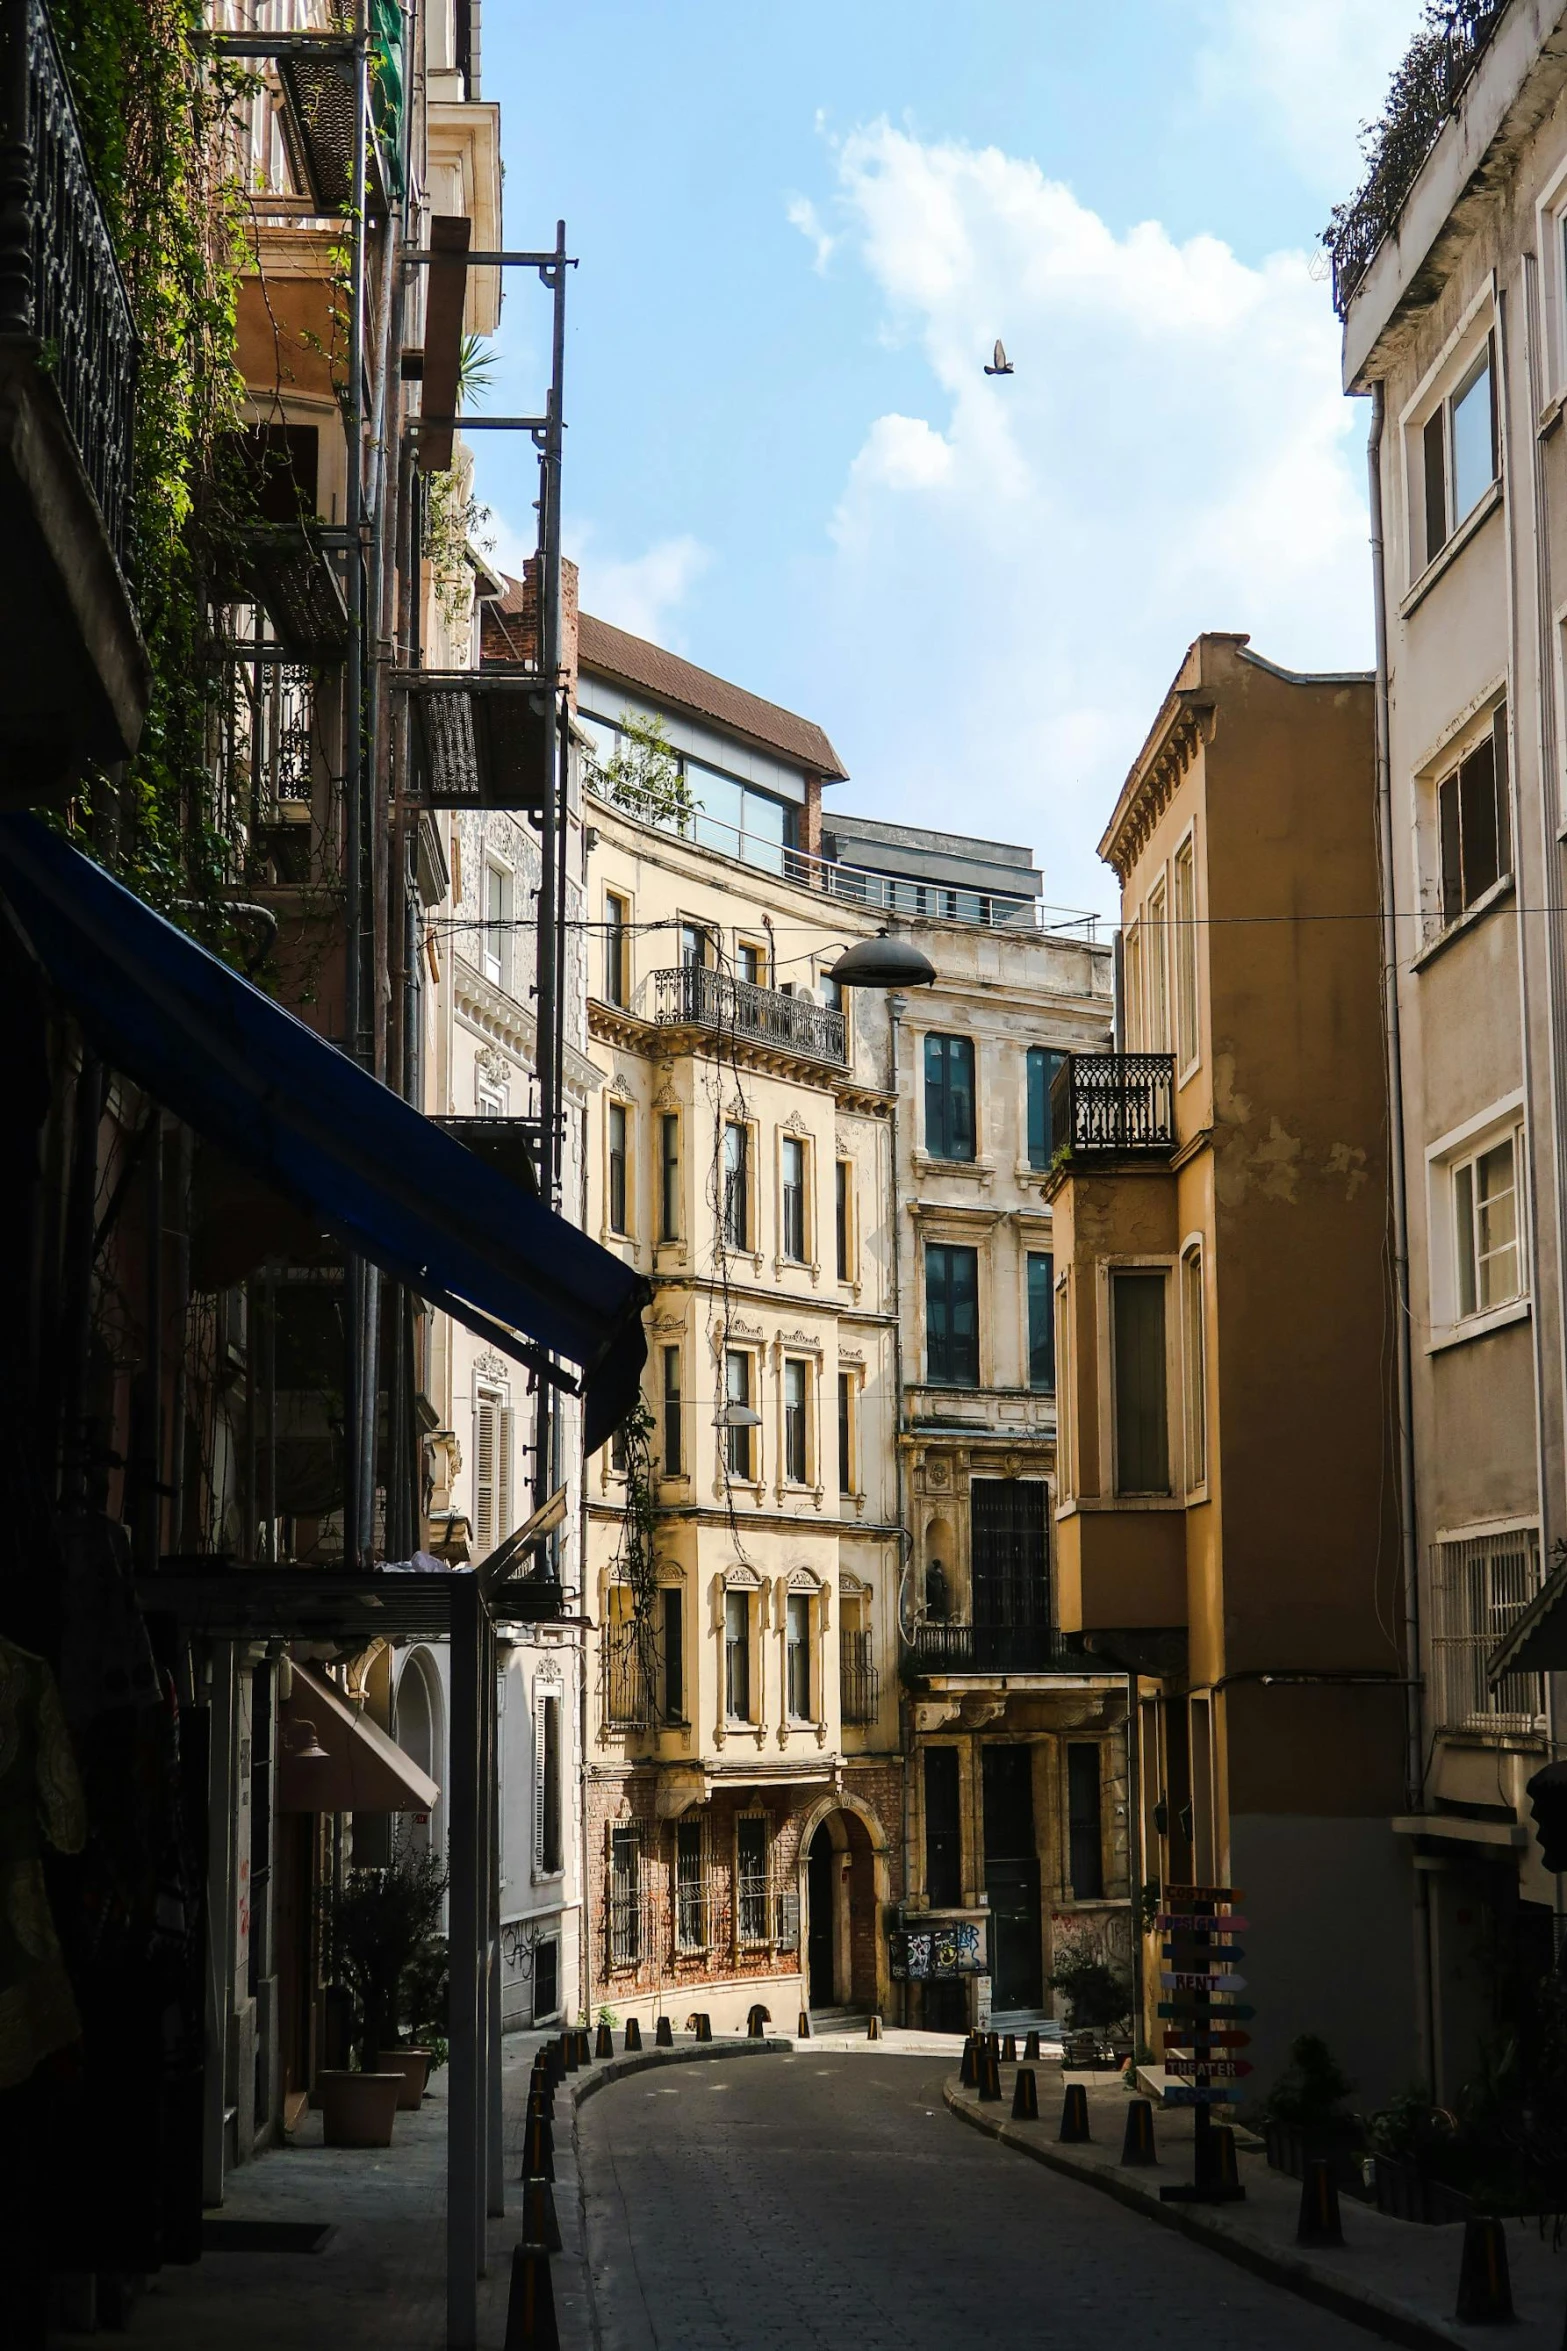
1002,365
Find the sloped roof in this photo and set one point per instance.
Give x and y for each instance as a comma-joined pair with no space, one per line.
664,677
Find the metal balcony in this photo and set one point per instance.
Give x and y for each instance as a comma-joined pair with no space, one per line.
1113,1105
697,997
73,673
993,1649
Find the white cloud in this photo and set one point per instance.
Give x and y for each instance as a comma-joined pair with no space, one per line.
803,215
1297,62
1015,577
642,593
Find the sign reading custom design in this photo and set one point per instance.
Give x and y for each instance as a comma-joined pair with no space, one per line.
926,1954
1199,1922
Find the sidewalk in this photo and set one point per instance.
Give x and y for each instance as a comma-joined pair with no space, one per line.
1396,2277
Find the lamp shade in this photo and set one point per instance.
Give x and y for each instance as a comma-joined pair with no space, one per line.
735,1415
883,962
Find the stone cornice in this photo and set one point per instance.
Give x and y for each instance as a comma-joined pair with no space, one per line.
1183,726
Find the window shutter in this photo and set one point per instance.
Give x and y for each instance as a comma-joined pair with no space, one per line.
1492,382
485,1416
1436,483
1504,825
1452,862
504,1520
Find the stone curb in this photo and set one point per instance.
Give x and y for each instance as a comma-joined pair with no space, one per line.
1362,2306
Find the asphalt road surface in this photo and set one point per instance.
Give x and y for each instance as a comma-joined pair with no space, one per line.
833,2200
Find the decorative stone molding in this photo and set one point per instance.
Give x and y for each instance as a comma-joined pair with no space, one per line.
794,1124
490,1366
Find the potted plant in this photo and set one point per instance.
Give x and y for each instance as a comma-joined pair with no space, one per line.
379,1924
1302,2113
1098,1998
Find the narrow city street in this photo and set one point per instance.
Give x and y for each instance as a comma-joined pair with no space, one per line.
828,2200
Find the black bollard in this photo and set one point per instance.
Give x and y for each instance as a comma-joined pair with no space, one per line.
873,2026
664,2036
803,2029
1031,2050
989,2073
604,2043
1025,2096
1485,2289
584,2054
968,2071
530,2313
757,2022
1009,2050
555,2058
541,2085
1319,2216
540,2227
1225,2161
633,2034
568,2051
1138,2145
538,2146
1074,2116
704,2026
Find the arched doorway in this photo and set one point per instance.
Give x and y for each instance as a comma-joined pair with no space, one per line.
841,1911
421,1734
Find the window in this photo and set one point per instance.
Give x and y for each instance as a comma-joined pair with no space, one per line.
737,1184
1194,1342
737,1656
1459,452
489,1099
674,1654
496,946
750,963
846,1480
1042,1320
844,1179
673,1453
951,1315
796,1450
625,1898
617,948
943,1832
751,1878
547,1841
739,1442
797,1656
690,1885
1132,991
1472,822
1186,954
696,945
793,1166
492,1451
617,1168
1042,1067
1156,1026
1487,1252
669,1176
1142,1448
1481,1586
546,1978
949,1097
1085,1841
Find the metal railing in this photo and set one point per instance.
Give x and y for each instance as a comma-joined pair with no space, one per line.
859,1679
1480,1587
60,282
696,996
631,1927
1022,1648
1113,1102
767,1911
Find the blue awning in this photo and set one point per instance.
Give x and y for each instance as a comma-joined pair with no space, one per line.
319,1129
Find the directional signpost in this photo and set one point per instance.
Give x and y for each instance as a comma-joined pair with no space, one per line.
1198,1980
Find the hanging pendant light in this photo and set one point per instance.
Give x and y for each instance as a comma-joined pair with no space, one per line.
883,962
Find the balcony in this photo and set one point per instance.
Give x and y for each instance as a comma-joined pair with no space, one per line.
628,1677
697,997
993,1649
1113,1106
73,672
859,1680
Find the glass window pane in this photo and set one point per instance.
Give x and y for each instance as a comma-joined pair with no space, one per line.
1041,1321
952,1315
1042,1067
1473,465
1496,1234
1464,1237
1142,1451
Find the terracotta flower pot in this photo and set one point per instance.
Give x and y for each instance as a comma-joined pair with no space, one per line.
414,2066
358,2109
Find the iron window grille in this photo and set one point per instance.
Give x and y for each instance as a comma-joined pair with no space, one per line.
858,1677
627,1919
1481,1585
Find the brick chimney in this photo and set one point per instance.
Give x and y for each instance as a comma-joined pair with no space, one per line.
509,624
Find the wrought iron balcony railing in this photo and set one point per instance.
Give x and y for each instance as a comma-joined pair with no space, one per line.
1106,1104
981,1648
60,284
628,1677
697,997
860,1681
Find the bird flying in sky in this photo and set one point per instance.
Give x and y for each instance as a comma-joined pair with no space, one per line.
1003,365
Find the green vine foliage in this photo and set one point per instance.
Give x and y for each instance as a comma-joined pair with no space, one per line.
152,112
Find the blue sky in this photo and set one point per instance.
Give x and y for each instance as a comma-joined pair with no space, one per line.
800,231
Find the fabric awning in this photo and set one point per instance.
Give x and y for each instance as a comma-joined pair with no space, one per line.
360,1768
320,1130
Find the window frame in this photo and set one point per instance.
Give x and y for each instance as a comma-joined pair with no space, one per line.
617,1168
950,1249
492,1397
1447,1160
1470,340
498,876
746,1439
1194,1365
848,1433
617,949
795,1416
1116,1271
939,1090
1187,1029
794,1225
1039,1059
739,1603
669,1160
1439,450
1156,977
1047,1259
799,1609
672,1414
672,1646
740,1181
549,1861
844,1257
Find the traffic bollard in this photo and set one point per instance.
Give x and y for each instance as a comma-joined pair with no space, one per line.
604,2043
633,2034
568,2051
584,2054
1009,2050
1074,2116
664,2035
530,2313
757,2022
540,2227
1485,2289
1025,2096
873,2026
538,2146
968,2070
1138,2145
989,2073
555,2058
704,2026
1319,2215
541,2084
1226,2162
1031,2050
803,2030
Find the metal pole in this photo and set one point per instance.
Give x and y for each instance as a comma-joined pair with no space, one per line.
464,2205
495,2148
149,1503
547,1046
353,789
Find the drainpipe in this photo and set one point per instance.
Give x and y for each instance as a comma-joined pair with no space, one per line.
1415,1750
895,1005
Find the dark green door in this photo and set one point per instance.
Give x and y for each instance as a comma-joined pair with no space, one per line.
1012,1876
